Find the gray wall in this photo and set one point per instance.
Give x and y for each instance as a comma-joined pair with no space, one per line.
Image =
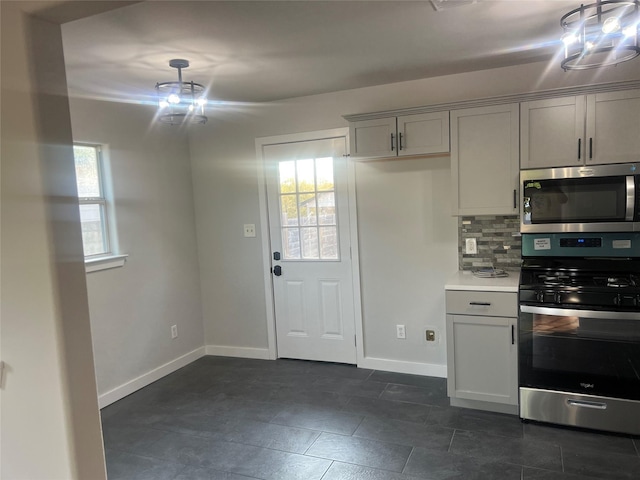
49,410
408,240
132,308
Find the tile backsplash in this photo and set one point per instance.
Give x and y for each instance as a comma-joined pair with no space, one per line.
498,241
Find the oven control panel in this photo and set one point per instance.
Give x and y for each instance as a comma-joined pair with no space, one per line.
613,245
581,242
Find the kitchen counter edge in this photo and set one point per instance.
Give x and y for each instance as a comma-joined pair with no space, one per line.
465,280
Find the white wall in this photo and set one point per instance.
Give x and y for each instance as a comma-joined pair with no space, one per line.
49,411
408,241
132,308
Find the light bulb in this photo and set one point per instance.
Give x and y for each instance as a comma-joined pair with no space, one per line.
173,98
191,108
611,25
589,45
201,102
163,104
630,30
569,38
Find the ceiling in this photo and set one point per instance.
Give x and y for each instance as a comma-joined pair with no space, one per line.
257,51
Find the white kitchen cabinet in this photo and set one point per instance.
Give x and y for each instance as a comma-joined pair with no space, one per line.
580,130
482,350
406,135
484,160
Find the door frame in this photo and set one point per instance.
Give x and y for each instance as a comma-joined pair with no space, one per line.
260,143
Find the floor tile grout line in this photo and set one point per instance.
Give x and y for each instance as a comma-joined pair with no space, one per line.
407,460
327,470
451,441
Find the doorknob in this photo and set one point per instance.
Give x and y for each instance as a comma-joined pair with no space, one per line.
277,270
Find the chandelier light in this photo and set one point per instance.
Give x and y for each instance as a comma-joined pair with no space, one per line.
600,34
181,102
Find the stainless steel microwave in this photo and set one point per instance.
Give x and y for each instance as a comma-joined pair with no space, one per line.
601,198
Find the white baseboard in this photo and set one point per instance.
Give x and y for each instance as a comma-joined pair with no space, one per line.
131,386
397,366
242,352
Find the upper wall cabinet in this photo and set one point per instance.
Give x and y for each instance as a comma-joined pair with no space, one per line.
484,160
406,135
580,130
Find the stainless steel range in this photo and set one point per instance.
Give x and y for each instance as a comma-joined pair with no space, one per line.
579,330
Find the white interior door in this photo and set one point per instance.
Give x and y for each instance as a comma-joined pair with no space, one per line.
308,205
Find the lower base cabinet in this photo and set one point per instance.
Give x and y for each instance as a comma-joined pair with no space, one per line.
482,350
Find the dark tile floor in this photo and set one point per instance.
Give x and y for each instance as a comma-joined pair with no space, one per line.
232,419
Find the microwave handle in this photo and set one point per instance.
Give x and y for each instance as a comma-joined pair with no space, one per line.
631,197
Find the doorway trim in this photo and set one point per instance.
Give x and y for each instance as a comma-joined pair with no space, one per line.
260,143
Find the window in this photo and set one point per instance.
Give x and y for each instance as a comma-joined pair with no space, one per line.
93,205
308,209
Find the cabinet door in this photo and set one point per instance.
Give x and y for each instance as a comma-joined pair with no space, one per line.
423,134
482,358
373,138
551,132
484,160
613,127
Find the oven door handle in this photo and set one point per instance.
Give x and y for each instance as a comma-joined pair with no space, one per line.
586,404
567,312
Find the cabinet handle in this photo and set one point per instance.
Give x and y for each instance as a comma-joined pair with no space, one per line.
515,198
513,334
482,304
579,148
400,141
590,148
392,146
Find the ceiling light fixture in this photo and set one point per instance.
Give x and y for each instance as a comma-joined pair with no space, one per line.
600,34
181,102
440,5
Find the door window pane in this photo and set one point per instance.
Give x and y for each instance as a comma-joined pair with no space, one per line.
289,210
308,209
291,243
326,208
309,243
287,177
329,243
306,177
324,173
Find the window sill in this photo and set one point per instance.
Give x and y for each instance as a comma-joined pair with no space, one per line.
104,263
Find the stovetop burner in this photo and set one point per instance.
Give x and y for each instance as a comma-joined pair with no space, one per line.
585,280
593,283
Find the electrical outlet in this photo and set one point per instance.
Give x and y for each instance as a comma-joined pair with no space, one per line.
174,331
470,246
400,331
249,229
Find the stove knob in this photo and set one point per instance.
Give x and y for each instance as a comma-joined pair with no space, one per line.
540,296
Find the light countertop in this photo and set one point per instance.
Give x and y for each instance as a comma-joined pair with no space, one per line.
465,280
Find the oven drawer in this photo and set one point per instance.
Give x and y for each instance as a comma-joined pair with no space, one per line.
493,304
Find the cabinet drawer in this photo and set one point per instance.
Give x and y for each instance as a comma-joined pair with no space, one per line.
497,304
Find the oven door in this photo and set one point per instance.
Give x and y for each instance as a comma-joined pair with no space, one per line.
580,351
